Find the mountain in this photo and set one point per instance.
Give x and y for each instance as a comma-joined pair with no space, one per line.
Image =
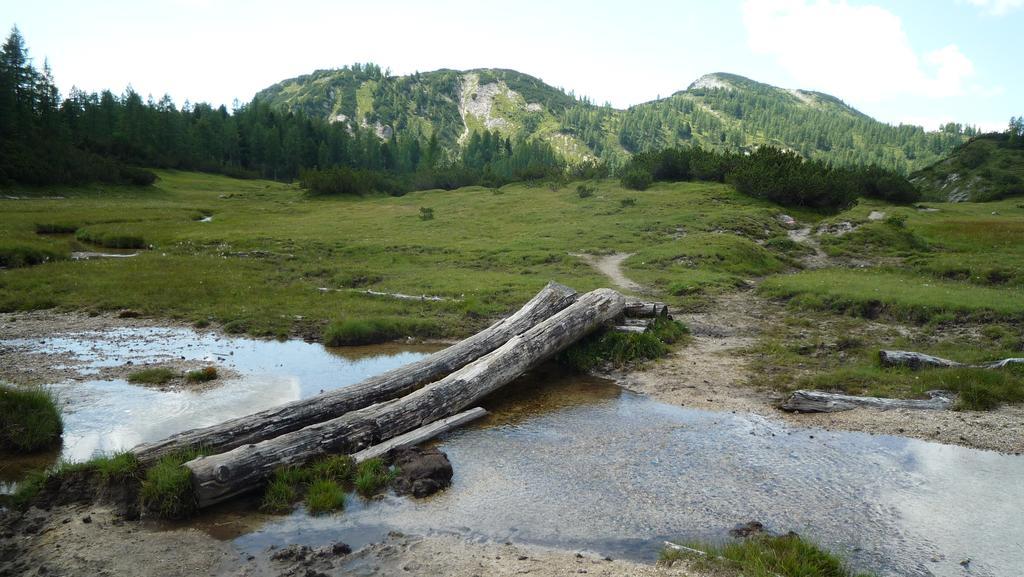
719,111
988,167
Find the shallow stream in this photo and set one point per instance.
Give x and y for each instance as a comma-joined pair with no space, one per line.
577,462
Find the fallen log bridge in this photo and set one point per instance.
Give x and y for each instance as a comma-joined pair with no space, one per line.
293,416
916,361
246,467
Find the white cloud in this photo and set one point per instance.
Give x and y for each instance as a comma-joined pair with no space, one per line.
858,53
997,7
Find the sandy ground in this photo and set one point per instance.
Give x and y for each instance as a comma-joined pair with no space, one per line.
713,373
90,541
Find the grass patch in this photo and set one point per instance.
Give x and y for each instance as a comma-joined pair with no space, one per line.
889,238
871,293
29,419
977,389
278,496
117,468
55,228
16,255
623,348
373,331
167,488
324,496
203,375
152,376
766,556
372,476
290,483
110,238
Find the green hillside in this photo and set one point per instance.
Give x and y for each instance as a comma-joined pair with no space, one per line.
985,168
719,111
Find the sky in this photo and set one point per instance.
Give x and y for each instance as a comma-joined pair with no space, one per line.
924,62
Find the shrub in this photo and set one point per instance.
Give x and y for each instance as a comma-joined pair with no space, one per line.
426,213
585,191
137,176
627,202
636,178
29,419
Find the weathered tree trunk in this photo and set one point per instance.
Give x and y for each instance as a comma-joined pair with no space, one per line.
293,416
822,402
645,310
919,360
218,477
417,436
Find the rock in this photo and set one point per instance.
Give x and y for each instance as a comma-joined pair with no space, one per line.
786,220
421,472
87,519
340,548
291,553
747,529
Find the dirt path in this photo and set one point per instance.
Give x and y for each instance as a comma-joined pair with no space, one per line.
611,267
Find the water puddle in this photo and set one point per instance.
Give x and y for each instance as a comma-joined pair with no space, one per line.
579,463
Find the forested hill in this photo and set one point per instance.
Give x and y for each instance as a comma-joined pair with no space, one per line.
719,111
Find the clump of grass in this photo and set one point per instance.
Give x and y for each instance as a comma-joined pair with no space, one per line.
977,389
55,228
110,238
117,467
766,556
203,375
324,496
627,202
167,489
622,348
278,496
373,331
585,190
338,468
21,255
29,419
426,213
28,488
372,476
152,376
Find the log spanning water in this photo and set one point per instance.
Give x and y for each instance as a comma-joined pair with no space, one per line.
219,477
296,415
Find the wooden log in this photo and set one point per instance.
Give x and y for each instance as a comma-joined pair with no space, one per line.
293,416
821,402
920,360
417,436
629,329
645,310
219,477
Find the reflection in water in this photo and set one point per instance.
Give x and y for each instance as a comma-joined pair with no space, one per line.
618,473
107,416
577,462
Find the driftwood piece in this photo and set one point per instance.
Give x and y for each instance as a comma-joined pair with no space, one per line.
417,436
394,383
219,477
920,360
821,402
645,310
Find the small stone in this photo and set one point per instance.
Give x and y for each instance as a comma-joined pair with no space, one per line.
87,519
523,557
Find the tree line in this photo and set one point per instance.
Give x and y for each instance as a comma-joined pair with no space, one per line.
773,174
103,137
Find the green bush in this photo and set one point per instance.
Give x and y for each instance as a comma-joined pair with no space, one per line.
585,191
636,178
426,213
29,419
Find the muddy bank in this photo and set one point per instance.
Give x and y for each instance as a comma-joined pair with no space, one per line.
88,541
714,373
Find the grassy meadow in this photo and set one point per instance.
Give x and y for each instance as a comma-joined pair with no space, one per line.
263,258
